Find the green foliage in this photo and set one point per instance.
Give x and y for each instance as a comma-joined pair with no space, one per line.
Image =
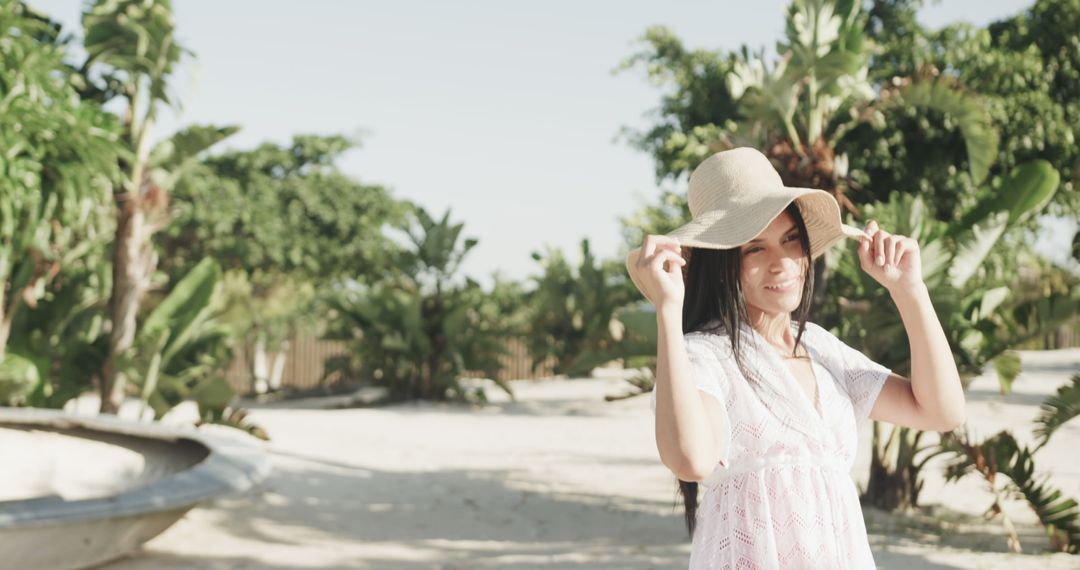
58,164
956,107
419,329
1058,409
172,158
284,222
984,307
1007,368
931,131
181,350
573,310
18,377
1002,455
234,418
667,214
133,42
63,335
272,312
132,53
698,96
280,210
1026,72
897,463
1026,191
969,271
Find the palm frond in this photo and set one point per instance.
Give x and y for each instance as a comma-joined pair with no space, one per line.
1058,409
1002,455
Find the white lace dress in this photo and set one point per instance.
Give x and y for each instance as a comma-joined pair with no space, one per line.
783,497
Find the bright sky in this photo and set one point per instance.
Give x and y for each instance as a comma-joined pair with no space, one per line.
505,112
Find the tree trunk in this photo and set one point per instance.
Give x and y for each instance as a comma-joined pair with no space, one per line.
891,486
133,263
260,368
277,369
7,315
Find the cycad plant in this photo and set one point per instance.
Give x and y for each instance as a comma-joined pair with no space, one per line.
1003,455
572,311
419,330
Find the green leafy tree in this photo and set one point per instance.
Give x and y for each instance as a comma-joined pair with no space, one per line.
798,110
284,222
1026,71
59,162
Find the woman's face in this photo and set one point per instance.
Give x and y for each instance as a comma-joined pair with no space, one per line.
773,268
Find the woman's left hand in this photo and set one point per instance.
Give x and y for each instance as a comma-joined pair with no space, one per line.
891,259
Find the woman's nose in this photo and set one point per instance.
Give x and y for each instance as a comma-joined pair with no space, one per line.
782,261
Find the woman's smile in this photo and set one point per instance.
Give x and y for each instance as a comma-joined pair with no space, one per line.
784,286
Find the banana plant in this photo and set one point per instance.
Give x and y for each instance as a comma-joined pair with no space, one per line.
182,349
800,109
969,273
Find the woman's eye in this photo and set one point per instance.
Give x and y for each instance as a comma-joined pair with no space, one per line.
754,249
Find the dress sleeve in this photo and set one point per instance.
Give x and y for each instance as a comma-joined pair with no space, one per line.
862,377
705,368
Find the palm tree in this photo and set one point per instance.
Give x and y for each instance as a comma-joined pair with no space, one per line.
131,55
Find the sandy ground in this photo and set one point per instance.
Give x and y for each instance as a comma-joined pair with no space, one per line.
557,479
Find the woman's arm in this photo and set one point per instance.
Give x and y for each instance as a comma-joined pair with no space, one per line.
934,397
688,420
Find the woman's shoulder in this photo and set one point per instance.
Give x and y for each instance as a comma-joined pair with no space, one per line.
712,340
819,334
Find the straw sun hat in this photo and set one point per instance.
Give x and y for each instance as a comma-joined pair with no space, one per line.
734,194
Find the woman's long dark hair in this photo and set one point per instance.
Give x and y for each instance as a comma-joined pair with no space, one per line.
714,292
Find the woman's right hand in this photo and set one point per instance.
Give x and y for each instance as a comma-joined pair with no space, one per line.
656,270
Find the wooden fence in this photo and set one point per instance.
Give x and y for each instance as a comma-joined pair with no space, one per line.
304,364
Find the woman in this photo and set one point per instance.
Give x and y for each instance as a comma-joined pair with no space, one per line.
754,402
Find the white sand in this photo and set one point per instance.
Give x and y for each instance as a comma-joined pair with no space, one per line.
558,479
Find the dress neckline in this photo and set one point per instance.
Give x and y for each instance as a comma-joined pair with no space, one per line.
793,382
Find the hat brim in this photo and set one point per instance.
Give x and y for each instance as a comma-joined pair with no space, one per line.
720,229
